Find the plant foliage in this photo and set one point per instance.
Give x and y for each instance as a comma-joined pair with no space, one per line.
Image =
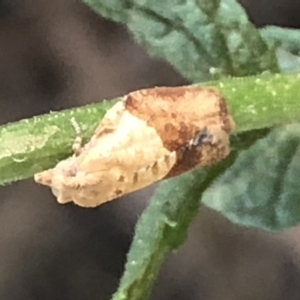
203,40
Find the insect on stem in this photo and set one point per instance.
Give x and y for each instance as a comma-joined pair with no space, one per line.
151,135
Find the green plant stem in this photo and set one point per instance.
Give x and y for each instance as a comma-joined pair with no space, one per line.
32,145
196,37
263,101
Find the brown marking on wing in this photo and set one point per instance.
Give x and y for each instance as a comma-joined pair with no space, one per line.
118,192
201,155
155,168
135,178
179,113
121,178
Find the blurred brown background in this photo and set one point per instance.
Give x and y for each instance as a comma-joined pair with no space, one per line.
58,54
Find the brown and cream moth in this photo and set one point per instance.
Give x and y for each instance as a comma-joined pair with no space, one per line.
151,135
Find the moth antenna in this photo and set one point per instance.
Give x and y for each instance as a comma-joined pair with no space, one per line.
77,145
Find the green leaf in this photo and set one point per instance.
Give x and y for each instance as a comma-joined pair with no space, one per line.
288,42
287,61
201,39
287,38
261,189
163,227
115,10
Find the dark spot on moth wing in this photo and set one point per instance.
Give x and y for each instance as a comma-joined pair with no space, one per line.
194,107
201,137
121,178
118,192
202,151
170,128
155,168
135,178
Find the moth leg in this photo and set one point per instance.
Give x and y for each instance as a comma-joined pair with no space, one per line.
77,145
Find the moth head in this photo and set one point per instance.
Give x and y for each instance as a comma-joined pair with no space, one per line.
44,178
55,179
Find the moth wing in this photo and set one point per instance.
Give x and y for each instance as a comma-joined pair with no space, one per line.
122,178
138,162
110,120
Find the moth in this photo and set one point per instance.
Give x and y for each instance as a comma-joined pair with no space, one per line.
153,134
